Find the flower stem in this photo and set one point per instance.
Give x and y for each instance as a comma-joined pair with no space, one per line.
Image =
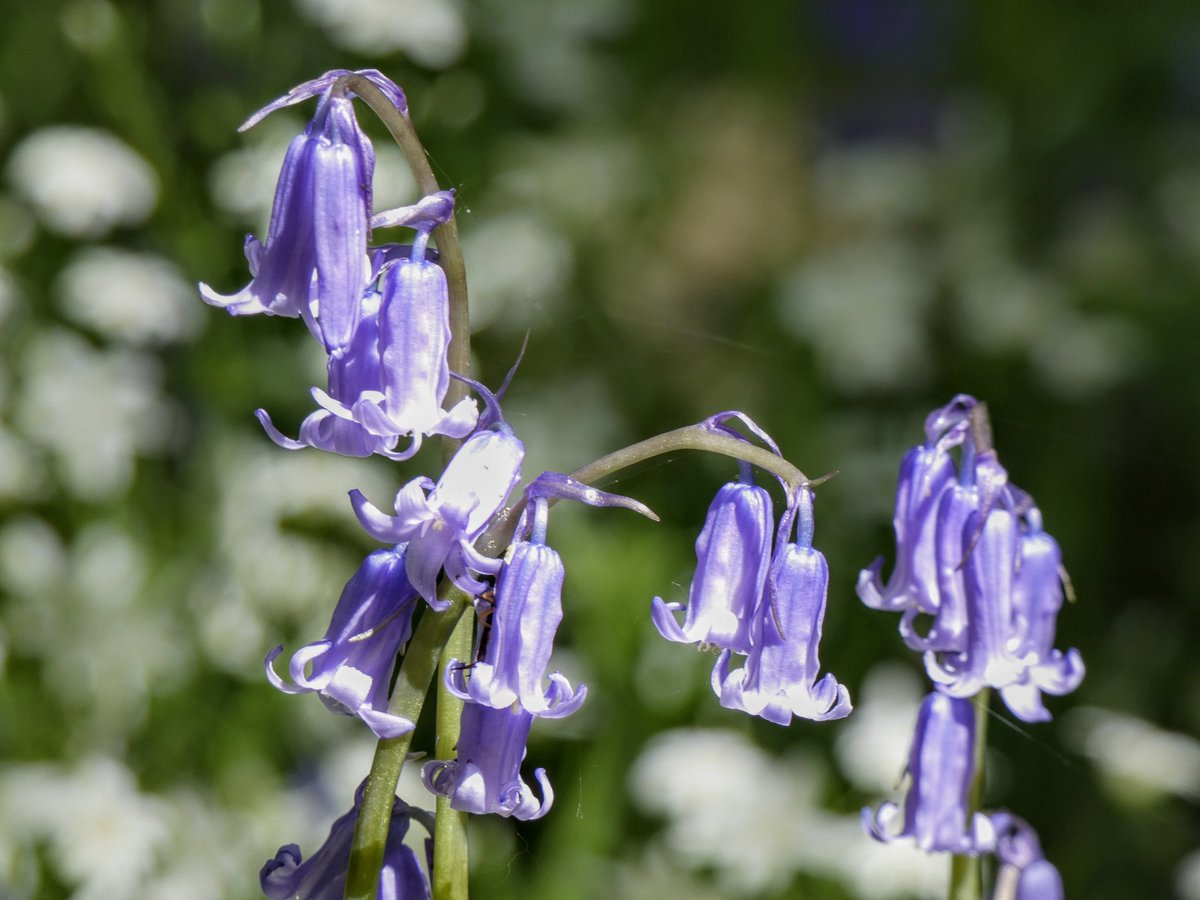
690,437
435,629
450,874
412,685
966,882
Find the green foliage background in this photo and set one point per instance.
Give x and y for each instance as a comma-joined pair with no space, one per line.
833,216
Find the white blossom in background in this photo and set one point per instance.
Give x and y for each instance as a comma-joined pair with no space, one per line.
82,182
431,33
1187,877
94,411
21,474
102,834
872,746
755,820
521,264
861,306
1139,760
727,803
136,298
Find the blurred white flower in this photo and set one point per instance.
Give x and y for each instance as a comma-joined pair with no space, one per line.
521,265
133,297
21,475
874,184
94,411
861,306
431,33
32,558
872,747
727,804
82,182
103,834
1187,877
1140,761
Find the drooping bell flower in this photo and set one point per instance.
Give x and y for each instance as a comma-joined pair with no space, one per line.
391,378
351,667
486,775
733,554
288,876
413,339
941,767
779,679
926,472
522,615
440,523
1025,873
1037,599
314,262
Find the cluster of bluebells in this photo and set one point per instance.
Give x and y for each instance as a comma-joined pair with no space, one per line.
759,594
977,581
979,585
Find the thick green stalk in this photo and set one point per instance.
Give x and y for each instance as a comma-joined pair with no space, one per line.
450,869
435,629
408,697
966,881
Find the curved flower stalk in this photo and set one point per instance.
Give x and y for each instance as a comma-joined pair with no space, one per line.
779,679
1025,873
351,667
940,770
288,876
486,776
733,555
441,522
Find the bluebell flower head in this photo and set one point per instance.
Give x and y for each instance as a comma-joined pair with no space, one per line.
941,767
440,523
977,580
780,676
288,876
1025,873
926,472
391,376
314,261
486,776
351,667
733,554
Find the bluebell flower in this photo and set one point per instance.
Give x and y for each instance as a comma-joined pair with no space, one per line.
1013,589
314,261
941,767
779,678
1025,873
486,775
390,378
977,580
288,876
926,472
733,554
440,523
351,667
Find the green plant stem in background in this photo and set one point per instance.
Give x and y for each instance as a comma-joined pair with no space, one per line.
417,671
966,882
449,877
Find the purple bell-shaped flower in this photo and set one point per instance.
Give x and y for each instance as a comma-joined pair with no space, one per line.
733,555
351,667
779,679
941,767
